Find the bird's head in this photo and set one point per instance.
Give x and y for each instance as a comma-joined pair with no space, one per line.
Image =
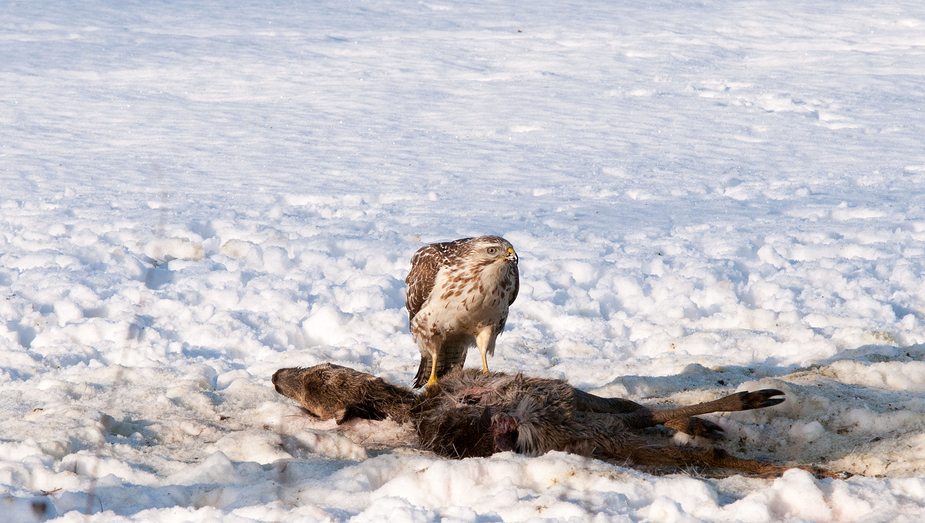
493,248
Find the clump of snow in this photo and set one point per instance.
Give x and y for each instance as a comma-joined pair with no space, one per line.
164,250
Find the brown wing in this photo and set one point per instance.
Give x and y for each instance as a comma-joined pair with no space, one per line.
425,264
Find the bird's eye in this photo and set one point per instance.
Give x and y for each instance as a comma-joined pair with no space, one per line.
492,250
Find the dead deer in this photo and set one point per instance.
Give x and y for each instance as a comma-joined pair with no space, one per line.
471,414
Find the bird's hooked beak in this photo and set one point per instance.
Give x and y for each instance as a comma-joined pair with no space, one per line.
511,255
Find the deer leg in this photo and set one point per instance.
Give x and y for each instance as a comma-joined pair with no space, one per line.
739,401
696,427
732,403
605,437
708,457
587,402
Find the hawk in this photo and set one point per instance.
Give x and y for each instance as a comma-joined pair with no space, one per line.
458,296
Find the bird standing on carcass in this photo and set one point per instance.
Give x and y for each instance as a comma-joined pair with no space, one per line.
458,296
469,413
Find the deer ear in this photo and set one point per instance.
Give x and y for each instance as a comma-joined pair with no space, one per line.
360,410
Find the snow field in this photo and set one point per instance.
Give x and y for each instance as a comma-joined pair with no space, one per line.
704,198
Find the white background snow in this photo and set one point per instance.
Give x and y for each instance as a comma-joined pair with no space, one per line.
705,197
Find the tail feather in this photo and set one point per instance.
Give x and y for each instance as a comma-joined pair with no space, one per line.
450,357
420,379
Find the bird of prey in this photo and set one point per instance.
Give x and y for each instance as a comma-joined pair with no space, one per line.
458,296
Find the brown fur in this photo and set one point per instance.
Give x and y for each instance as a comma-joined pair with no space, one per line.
333,392
469,414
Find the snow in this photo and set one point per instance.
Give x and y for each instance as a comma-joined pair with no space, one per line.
704,197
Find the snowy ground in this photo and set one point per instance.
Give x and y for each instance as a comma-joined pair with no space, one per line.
704,197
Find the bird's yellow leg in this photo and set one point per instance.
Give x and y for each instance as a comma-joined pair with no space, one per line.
485,343
433,372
